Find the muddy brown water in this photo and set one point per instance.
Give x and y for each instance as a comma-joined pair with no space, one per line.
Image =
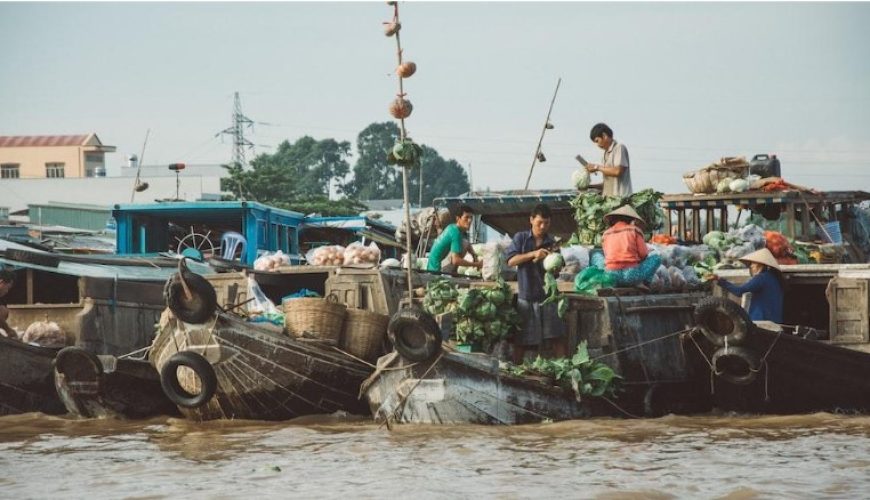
724,456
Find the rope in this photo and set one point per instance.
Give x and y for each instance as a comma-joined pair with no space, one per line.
401,405
641,344
354,357
137,351
631,415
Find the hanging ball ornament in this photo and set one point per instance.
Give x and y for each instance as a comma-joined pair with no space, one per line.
401,108
406,69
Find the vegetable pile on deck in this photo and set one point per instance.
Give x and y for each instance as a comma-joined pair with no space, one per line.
580,373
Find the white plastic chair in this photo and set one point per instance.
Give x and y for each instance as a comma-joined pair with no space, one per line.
232,241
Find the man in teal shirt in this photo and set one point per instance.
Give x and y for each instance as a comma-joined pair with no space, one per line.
452,244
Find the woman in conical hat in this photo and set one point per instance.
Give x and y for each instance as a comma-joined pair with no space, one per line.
626,256
766,286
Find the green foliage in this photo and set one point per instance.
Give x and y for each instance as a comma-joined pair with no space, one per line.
296,177
375,175
590,207
580,373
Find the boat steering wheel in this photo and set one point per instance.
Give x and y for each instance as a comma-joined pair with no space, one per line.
195,245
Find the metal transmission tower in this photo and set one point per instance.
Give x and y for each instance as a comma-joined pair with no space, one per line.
237,131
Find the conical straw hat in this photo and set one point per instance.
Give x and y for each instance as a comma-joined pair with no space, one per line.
762,256
625,211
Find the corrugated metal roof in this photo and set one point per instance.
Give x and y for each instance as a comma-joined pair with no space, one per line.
31,141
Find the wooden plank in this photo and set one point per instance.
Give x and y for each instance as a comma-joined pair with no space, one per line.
30,286
849,322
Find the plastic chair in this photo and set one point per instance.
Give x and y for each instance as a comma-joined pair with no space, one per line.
232,241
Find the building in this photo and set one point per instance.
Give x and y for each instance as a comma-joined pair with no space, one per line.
52,156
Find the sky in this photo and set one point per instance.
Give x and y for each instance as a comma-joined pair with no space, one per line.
681,84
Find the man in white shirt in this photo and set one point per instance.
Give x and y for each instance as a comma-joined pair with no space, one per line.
614,166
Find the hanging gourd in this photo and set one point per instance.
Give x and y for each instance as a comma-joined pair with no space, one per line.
401,108
391,28
406,69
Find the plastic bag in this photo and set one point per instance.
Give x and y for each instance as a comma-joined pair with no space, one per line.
492,255
753,234
332,255
358,253
591,279
45,334
259,304
678,281
271,261
576,254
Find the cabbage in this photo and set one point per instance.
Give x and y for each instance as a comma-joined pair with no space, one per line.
739,185
724,185
581,179
553,262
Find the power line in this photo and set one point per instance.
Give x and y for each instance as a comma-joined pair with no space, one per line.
237,132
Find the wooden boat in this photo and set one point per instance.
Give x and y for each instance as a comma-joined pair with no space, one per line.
460,388
92,386
228,368
25,379
772,369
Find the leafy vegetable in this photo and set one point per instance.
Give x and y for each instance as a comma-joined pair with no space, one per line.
590,207
580,373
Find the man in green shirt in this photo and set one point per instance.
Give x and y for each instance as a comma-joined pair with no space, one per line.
448,251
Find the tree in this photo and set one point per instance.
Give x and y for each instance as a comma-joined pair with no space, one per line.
296,176
374,178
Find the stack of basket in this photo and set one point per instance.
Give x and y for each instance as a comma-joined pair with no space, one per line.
315,317
705,180
364,334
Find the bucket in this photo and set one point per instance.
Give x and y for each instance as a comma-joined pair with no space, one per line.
833,232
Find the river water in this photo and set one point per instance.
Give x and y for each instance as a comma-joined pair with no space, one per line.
723,456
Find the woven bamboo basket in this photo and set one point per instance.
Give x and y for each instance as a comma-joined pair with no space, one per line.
364,333
319,318
705,180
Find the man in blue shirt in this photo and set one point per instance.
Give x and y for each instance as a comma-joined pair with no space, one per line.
540,322
766,286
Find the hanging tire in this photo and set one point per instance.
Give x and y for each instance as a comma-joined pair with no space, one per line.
74,361
202,304
172,386
414,334
722,321
736,365
40,259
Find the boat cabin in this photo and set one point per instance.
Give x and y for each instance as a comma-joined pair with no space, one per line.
203,229
804,216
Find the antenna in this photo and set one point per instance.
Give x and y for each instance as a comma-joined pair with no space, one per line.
237,131
137,185
539,155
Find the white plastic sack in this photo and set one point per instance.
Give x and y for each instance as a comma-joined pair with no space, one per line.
45,334
271,261
358,253
332,255
576,254
259,304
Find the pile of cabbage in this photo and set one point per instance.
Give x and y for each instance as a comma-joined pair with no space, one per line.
735,244
683,267
590,207
480,315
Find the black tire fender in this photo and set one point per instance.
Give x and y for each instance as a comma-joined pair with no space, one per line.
736,365
722,321
38,258
200,307
71,358
172,386
414,334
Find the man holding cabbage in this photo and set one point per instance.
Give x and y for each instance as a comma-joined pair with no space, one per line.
540,323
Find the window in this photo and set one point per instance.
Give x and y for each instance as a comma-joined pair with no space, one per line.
9,171
94,165
54,170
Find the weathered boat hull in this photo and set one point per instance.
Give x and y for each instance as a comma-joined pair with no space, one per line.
797,376
106,386
25,379
457,388
263,374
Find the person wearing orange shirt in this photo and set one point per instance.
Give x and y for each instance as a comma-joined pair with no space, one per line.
626,256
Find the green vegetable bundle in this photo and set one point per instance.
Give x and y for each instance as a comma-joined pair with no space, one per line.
405,153
590,207
585,376
481,315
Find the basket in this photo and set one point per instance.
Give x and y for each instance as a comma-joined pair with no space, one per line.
364,333
830,232
320,318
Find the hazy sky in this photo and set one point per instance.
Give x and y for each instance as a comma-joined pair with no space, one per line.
681,84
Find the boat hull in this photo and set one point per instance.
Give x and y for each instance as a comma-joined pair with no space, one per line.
459,388
26,379
263,374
